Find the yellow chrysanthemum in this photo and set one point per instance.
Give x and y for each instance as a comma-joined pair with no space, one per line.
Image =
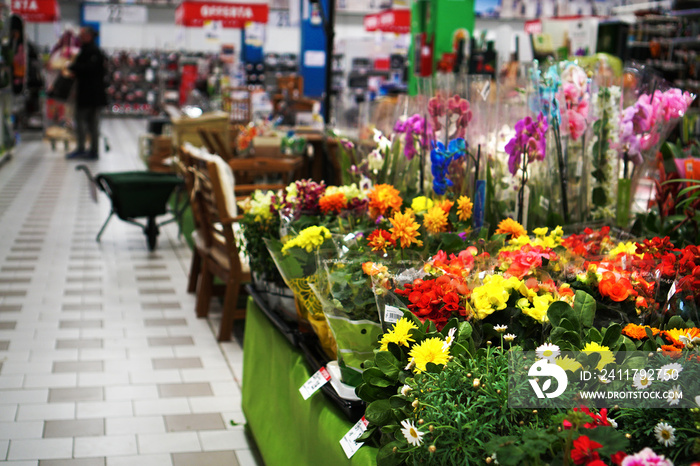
421,204
509,226
429,350
383,199
400,334
309,239
435,220
540,231
405,229
464,208
606,356
567,363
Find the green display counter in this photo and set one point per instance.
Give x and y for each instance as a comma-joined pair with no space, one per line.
287,428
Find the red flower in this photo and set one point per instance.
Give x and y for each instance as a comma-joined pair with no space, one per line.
618,457
437,300
583,452
379,240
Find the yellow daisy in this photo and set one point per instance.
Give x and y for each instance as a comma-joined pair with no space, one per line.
405,229
509,226
429,350
464,208
435,220
606,356
400,334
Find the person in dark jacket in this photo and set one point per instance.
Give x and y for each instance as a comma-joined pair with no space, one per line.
88,69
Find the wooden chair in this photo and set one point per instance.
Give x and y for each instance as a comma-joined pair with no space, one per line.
250,170
215,142
215,241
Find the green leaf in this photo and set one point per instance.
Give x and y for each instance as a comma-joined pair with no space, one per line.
379,412
584,308
676,322
387,457
457,349
398,402
612,440
375,376
465,331
388,364
557,311
566,323
611,336
594,335
627,344
366,435
598,196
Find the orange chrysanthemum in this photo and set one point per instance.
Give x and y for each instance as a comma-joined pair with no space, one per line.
464,208
637,331
405,229
332,203
435,220
382,199
379,240
675,335
445,205
509,226
372,269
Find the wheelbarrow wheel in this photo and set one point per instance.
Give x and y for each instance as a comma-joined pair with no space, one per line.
151,233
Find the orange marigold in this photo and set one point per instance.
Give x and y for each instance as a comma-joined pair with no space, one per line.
332,203
638,332
464,208
509,226
372,269
445,205
405,229
670,348
674,335
435,220
382,199
379,240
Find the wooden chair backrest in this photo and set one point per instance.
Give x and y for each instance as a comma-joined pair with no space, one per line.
216,227
250,169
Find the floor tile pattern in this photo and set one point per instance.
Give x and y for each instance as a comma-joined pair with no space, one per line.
102,360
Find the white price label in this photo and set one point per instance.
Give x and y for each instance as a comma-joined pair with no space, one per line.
392,314
350,446
579,169
318,380
544,203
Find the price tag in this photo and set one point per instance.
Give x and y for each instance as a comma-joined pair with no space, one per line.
350,446
544,203
318,380
579,169
392,314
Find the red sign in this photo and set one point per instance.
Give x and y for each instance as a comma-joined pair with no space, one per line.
371,22
231,15
36,11
533,27
397,21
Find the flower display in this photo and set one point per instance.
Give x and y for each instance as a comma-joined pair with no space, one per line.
413,436
574,87
665,434
432,351
404,229
308,239
399,334
384,199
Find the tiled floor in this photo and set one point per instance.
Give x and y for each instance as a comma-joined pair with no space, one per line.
102,360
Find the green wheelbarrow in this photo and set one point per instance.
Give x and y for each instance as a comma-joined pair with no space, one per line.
138,194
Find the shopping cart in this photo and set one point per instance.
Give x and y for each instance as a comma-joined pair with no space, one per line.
138,194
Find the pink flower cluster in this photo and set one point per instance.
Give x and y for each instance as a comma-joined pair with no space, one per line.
574,89
414,129
643,123
456,109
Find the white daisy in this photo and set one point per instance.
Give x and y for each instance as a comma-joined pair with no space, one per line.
500,328
509,337
548,351
613,423
641,380
670,371
674,395
405,390
413,435
665,434
689,343
449,339
603,380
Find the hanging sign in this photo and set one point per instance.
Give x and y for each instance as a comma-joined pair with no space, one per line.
231,15
36,11
115,13
396,21
371,22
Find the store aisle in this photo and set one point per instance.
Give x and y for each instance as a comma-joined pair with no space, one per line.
102,360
